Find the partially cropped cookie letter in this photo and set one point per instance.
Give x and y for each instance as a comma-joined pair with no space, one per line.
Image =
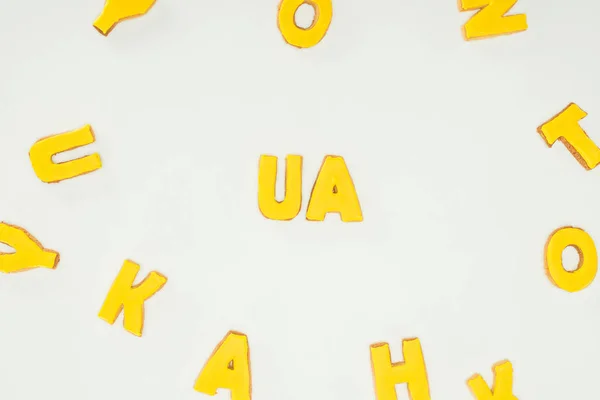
28,254
228,368
289,207
565,127
43,150
116,11
388,374
503,384
490,19
129,298
304,37
583,276
334,192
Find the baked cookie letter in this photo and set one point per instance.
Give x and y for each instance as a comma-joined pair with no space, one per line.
559,240
228,368
301,37
565,127
503,384
116,11
43,150
289,207
124,296
412,371
334,192
29,253
490,19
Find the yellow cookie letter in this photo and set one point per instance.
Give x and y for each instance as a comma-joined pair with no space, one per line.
565,127
490,19
43,150
334,192
28,254
267,175
116,11
300,37
559,240
228,368
123,295
412,371
503,384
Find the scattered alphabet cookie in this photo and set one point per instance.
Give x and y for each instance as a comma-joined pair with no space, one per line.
301,37
583,276
490,19
116,11
228,367
129,298
43,150
28,254
564,126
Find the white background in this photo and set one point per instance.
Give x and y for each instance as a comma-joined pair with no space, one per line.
459,194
